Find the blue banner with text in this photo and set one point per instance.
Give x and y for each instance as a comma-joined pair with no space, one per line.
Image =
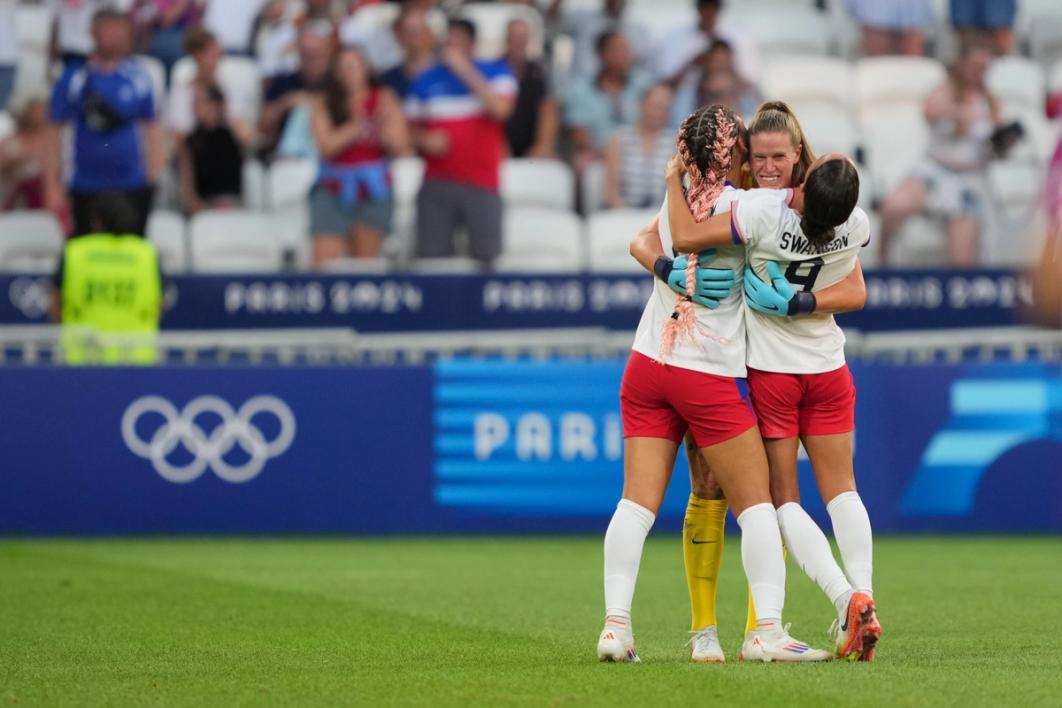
393,303
475,446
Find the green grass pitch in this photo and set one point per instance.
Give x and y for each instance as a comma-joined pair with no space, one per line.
496,621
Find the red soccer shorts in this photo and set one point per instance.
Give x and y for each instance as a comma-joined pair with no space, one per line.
661,401
788,405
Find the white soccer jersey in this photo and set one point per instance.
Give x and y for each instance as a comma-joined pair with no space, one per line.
724,356
808,344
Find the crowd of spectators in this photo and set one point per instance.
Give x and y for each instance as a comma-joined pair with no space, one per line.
340,91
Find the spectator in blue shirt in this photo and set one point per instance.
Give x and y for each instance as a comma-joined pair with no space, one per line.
595,107
111,107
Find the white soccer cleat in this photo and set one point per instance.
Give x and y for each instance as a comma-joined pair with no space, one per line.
705,647
777,645
616,642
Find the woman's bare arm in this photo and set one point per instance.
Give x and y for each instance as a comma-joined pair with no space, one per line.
687,235
849,295
646,246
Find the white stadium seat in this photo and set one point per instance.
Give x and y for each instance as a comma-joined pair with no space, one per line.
157,72
233,241
921,243
804,79
31,76
1015,185
361,266
894,142
254,185
289,181
33,26
888,81
609,235
1017,82
592,187
660,19
1045,40
445,266
1054,77
29,241
828,129
531,182
785,29
407,173
232,71
166,230
290,226
538,239
492,21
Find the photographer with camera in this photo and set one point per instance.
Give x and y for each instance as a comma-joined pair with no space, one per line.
117,144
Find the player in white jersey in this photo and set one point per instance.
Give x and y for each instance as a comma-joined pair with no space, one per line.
682,375
779,156
799,384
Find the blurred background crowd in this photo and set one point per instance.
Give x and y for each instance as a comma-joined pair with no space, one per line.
258,135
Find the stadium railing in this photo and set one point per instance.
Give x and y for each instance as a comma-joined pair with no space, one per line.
42,345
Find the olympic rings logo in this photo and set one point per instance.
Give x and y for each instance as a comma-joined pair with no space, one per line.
209,450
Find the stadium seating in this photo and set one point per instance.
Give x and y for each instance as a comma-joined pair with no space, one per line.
592,188
289,181
890,81
357,266
445,266
894,141
531,182
232,71
157,71
29,241
540,239
1018,83
785,29
609,235
166,230
1016,187
921,243
810,81
255,195
492,21
1045,39
406,176
659,19
33,28
828,129
233,241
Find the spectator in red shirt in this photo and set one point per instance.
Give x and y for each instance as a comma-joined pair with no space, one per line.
356,126
459,108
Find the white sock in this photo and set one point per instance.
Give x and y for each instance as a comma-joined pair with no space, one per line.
811,551
761,554
624,540
851,528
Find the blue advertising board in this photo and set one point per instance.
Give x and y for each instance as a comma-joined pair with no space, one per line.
475,446
390,303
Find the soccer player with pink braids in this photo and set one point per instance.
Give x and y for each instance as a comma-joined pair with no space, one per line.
799,384
683,375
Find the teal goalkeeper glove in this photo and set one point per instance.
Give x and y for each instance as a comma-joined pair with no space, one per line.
710,284
777,297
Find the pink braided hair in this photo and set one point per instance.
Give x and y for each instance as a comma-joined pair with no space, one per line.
713,132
